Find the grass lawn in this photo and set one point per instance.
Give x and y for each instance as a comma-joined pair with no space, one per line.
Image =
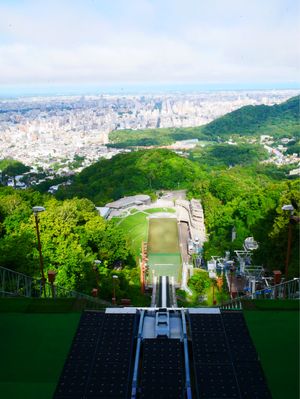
33,349
135,226
276,337
136,229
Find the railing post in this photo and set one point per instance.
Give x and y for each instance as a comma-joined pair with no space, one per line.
3,280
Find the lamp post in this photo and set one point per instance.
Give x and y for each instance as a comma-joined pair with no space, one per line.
291,209
51,279
213,287
36,210
95,268
232,270
95,290
114,289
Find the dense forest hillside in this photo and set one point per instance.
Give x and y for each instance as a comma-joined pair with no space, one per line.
277,120
136,172
224,155
280,120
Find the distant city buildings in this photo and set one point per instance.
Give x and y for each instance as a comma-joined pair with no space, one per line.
50,132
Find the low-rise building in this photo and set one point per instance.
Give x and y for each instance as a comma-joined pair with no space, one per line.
127,202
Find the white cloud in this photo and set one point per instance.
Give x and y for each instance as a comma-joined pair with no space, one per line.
149,41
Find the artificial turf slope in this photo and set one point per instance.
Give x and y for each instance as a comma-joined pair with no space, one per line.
276,338
33,350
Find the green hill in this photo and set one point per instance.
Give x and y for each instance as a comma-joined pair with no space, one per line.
276,120
127,174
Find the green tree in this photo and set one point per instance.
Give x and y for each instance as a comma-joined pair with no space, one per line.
199,282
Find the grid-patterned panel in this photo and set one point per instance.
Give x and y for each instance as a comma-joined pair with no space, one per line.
77,368
214,372
99,361
162,372
110,376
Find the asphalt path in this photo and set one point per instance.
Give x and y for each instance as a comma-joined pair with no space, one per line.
183,240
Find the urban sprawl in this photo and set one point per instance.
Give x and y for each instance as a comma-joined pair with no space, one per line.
44,132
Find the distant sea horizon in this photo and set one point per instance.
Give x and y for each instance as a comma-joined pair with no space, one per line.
16,91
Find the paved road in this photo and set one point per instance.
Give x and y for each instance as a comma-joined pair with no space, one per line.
183,239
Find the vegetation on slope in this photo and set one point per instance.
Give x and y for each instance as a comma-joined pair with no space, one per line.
127,174
276,120
11,168
225,155
251,203
294,148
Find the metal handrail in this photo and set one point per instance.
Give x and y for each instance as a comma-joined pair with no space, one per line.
17,284
286,290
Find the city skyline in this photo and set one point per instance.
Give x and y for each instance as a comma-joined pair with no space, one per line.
83,46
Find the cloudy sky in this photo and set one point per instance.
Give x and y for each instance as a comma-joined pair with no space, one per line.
131,42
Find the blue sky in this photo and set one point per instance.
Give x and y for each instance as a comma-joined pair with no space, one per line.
81,43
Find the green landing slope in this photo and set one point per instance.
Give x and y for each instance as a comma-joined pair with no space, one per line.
163,248
276,338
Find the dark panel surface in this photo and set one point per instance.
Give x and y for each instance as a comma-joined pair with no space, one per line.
213,368
76,371
250,375
162,372
99,362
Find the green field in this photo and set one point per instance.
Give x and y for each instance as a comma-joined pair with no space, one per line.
163,248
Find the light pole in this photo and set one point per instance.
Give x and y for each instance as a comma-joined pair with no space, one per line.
213,287
51,279
232,270
95,291
115,277
291,209
36,210
95,268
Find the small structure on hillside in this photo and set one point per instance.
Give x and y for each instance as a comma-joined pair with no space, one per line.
127,202
103,211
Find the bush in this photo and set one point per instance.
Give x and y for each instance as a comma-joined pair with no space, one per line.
199,282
